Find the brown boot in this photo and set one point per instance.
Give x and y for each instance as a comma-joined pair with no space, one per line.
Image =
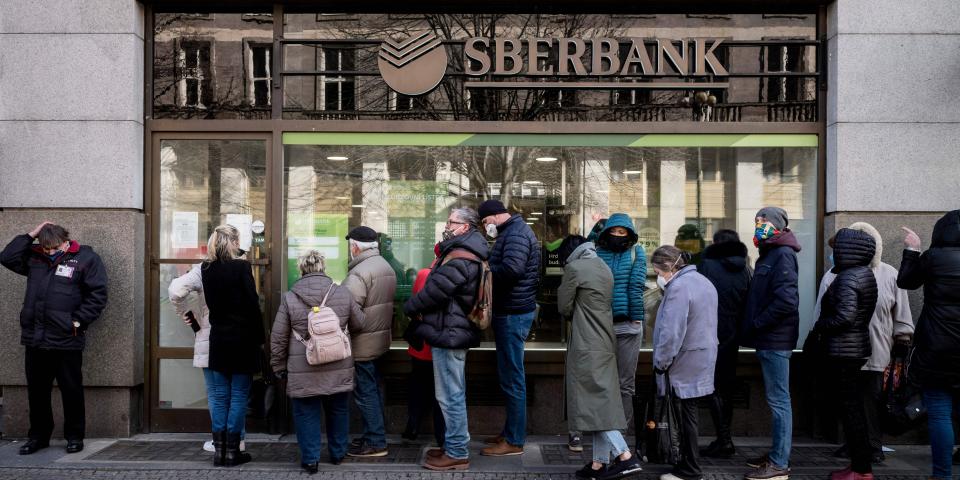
443,462
502,449
494,440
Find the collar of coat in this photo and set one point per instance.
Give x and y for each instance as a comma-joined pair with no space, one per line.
683,271
373,252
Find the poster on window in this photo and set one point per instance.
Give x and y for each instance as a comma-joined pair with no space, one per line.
324,232
244,224
186,230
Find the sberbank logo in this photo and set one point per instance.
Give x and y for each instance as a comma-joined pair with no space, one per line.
413,66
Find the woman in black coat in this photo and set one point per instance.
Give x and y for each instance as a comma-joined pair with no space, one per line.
936,356
236,336
844,336
725,265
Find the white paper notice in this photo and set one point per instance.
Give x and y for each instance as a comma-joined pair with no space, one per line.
244,224
186,229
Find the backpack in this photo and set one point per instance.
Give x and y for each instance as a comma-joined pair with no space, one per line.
481,314
325,342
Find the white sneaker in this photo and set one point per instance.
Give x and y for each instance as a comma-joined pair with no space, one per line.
670,476
208,446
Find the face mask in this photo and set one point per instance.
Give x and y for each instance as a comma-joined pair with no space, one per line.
55,255
661,282
618,244
448,234
763,232
491,230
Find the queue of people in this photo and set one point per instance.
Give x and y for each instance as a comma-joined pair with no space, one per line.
327,338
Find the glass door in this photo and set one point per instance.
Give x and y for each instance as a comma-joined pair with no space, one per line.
199,181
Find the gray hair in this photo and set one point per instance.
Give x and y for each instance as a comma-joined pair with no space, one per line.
670,258
311,261
468,216
363,246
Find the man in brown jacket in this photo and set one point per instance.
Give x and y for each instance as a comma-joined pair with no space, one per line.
372,282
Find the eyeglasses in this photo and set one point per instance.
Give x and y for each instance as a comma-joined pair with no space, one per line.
453,222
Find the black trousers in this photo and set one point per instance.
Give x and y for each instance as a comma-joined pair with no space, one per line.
871,389
721,402
422,399
42,367
689,466
853,414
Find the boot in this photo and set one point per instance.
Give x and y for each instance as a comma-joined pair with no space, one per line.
233,455
219,447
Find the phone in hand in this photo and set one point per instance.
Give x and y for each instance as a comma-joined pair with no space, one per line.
194,324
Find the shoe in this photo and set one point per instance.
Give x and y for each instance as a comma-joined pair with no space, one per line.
758,462
336,460
670,476
443,462
848,474
356,442
588,473
435,453
621,469
74,446
32,446
768,471
718,449
232,455
494,440
364,450
208,446
841,452
310,468
502,449
219,447
574,443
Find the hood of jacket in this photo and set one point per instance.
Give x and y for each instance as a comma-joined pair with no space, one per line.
852,248
786,238
585,250
472,241
618,220
946,233
877,240
732,255
312,287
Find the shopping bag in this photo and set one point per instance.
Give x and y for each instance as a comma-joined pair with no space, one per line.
902,408
658,438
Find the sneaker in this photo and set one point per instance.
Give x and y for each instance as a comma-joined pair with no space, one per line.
718,449
502,449
494,440
443,463
670,476
574,443
364,450
768,471
588,473
758,462
621,469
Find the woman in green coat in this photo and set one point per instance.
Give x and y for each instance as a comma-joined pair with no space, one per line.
592,384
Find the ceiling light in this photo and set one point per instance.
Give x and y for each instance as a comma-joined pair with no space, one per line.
530,223
338,158
534,219
546,159
342,198
536,213
357,206
632,172
532,182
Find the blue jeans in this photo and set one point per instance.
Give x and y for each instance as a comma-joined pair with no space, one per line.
366,393
450,383
306,417
227,395
940,406
608,445
775,365
510,332
208,380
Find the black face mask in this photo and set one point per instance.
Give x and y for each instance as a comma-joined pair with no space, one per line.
618,244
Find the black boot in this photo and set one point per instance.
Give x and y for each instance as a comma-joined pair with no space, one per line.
719,448
219,447
233,455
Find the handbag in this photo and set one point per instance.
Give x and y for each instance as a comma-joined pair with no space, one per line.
658,438
903,407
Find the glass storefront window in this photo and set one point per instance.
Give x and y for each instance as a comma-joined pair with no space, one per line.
181,385
678,189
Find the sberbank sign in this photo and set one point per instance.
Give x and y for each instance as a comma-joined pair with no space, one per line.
417,64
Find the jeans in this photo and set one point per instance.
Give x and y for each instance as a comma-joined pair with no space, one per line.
689,466
608,445
853,414
306,417
628,352
208,381
228,395
510,332
366,394
422,399
451,390
941,404
42,367
775,365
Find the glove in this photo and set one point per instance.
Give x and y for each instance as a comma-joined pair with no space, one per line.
281,375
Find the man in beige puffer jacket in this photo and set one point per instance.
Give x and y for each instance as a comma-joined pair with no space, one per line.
372,282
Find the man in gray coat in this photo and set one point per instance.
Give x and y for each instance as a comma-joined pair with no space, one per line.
372,283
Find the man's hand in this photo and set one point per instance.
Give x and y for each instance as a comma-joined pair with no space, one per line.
36,231
911,240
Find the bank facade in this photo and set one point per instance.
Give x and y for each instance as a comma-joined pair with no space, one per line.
296,121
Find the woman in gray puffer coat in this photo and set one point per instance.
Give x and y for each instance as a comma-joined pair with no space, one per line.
316,390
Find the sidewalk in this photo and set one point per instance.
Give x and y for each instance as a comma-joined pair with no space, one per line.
180,457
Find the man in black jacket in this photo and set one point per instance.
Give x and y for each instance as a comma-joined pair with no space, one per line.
515,264
66,292
771,325
439,314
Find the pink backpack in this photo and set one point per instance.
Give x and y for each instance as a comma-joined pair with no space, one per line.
325,342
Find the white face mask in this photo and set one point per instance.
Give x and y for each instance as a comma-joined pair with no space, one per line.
491,230
661,282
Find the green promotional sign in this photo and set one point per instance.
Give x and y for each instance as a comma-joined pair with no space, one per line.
324,232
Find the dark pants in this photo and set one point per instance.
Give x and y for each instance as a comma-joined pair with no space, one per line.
689,466
852,413
422,399
871,389
335,412
42,367
721,402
